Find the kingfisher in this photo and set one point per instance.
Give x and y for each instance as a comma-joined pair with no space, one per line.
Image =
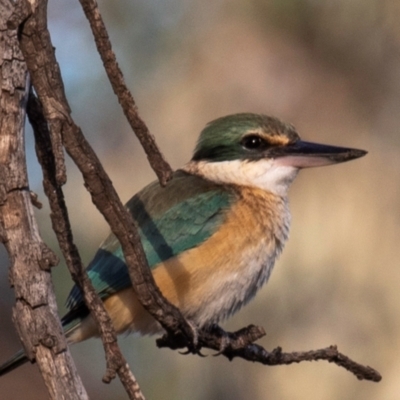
212,234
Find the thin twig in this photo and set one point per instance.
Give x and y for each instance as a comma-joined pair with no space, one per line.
61,226
125,98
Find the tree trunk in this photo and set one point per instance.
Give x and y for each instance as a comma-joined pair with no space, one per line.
35,313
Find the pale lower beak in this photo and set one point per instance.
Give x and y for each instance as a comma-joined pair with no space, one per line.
306,154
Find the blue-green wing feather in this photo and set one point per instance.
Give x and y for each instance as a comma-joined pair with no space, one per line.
170,220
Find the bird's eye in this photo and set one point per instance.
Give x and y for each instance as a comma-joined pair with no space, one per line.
254,142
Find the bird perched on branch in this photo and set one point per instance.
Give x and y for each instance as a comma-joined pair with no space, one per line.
212,235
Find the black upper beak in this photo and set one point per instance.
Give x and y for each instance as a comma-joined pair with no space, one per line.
306,154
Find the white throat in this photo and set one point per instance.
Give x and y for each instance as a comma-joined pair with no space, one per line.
265,174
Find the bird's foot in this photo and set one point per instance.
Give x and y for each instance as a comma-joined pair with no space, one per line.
195,346
187,337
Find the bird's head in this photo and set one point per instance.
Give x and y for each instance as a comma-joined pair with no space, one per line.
257,150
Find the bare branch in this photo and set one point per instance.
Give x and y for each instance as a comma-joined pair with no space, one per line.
35,313
61,226
241,344
155,157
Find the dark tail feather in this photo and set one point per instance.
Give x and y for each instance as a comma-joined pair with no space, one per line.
14,362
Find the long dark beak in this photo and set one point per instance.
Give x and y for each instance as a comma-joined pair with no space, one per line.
306,154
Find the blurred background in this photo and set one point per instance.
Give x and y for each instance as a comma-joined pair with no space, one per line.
330,68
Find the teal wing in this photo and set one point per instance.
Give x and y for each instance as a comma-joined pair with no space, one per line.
170,220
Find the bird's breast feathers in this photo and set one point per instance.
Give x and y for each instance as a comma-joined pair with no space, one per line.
212,281
210,248
215,279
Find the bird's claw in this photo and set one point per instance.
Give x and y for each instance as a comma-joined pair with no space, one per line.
193,351
194,346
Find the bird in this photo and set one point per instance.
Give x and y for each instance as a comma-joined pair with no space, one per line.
212,235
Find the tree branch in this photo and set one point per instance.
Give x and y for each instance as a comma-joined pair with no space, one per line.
35,313
155,157
61,226
241,344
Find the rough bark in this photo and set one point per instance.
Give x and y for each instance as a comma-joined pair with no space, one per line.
35,313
